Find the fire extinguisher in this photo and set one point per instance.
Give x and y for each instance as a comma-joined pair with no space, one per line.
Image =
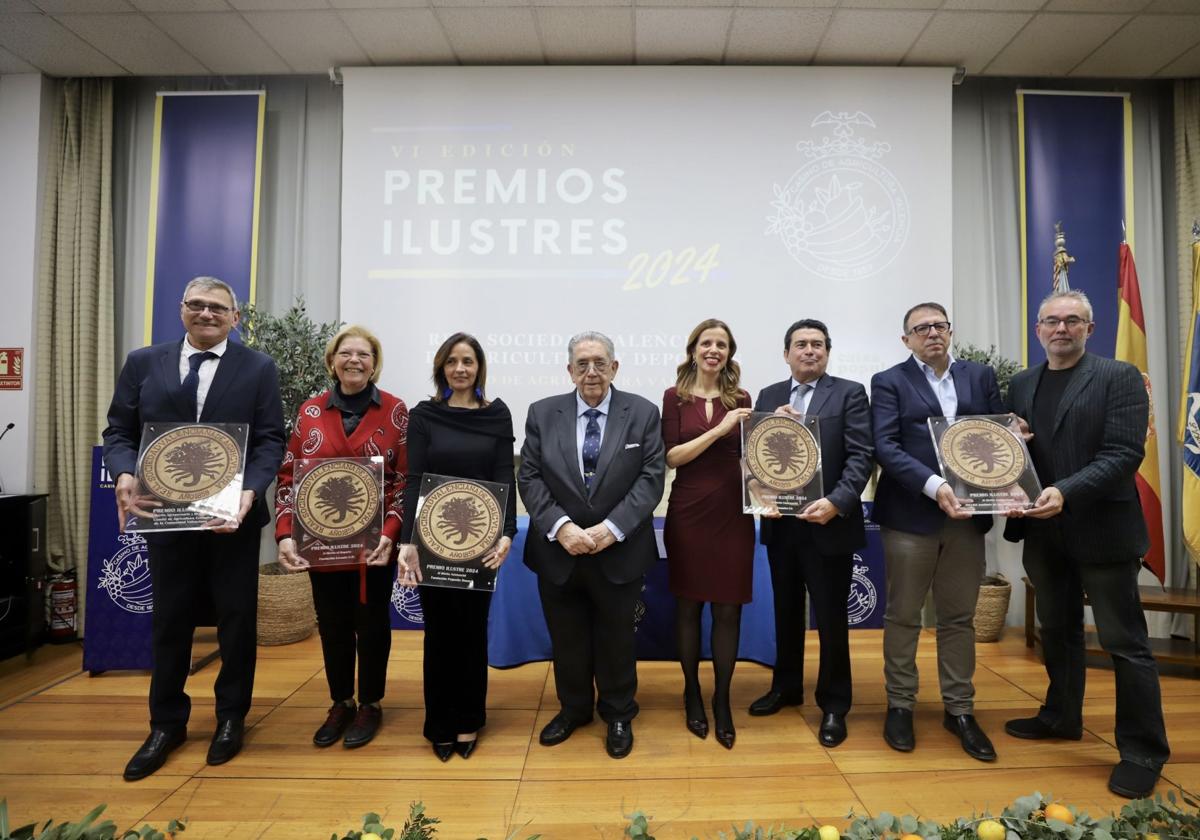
60,608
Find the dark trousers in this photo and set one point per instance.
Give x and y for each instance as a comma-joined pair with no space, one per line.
191,570
1062,578
351,629
591,623
456,661
795,566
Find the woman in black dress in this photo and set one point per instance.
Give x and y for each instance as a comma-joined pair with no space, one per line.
457,432
710,542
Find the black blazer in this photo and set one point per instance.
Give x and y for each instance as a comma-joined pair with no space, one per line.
245,389
1099,437
625,490
846,463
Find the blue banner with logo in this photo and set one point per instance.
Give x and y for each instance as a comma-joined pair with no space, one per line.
1076,155
517,630
204,199
120,600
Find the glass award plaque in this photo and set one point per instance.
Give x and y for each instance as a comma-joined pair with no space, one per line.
458,521
985,460
188,475
781,462
338,509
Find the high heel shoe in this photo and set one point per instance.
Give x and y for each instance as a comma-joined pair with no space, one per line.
695,719
465,748
443,751
726,734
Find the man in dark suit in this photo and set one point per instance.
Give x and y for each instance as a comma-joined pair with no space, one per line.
1085,533
815,548
203,378
592,470
930,539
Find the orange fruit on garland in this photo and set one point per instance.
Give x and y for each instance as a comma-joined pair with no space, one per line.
1054,811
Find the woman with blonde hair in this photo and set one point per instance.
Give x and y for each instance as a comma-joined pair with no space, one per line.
710,542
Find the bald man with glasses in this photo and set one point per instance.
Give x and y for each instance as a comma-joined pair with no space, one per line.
930,539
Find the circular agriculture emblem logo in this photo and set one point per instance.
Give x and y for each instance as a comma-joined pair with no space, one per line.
782,453
125,576
407,602
863,596
337,499
190,463
459,521
982,453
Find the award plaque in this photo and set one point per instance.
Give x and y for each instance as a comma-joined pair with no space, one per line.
189,474
458,521
986,461
781,462
338,509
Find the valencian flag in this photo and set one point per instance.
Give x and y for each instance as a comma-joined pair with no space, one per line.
1189,420
1131,347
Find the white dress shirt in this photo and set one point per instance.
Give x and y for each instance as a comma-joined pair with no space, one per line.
581,423
208,369
947,397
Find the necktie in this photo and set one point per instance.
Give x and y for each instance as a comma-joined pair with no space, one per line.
799,398
591,446
192,381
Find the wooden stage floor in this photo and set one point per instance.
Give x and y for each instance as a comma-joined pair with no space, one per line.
65,737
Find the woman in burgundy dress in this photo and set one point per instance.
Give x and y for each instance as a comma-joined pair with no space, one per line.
710,542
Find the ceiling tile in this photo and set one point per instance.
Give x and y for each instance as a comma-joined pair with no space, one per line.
890,4
62,7
587,36
224,42
9,63
559,3
994,5
374,5
400,36
791,4
135,43
1125,54
310,42
866,36
52,48
182,5
666,36
8,6
1095,5
775,36
492,36
1186,66
1054,43
277,5
646,4
1171,6
965,39
478,3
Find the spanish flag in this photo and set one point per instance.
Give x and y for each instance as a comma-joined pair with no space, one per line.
1189,419
1131,347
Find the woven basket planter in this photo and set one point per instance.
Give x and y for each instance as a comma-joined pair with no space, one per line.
285,606
992,608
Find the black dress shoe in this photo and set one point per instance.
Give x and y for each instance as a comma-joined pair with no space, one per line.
1133,781
465,748
619,741
974,742
770,703
723,723
443,751
339,717
898,729
833,729
696,721
152,754
365,725
1035,729
559,729
226,742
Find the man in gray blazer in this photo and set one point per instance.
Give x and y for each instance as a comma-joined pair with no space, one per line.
592,470
1085,533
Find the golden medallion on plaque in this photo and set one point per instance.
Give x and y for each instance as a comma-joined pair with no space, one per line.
782,453
189,463
459,521
982,453
337,499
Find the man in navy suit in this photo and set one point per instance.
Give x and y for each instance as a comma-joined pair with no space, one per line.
1086,533
592,470
204,378
815,548
930,539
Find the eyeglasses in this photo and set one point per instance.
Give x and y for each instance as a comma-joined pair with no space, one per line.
938,327
601,366
346,355
1073,322
199,306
